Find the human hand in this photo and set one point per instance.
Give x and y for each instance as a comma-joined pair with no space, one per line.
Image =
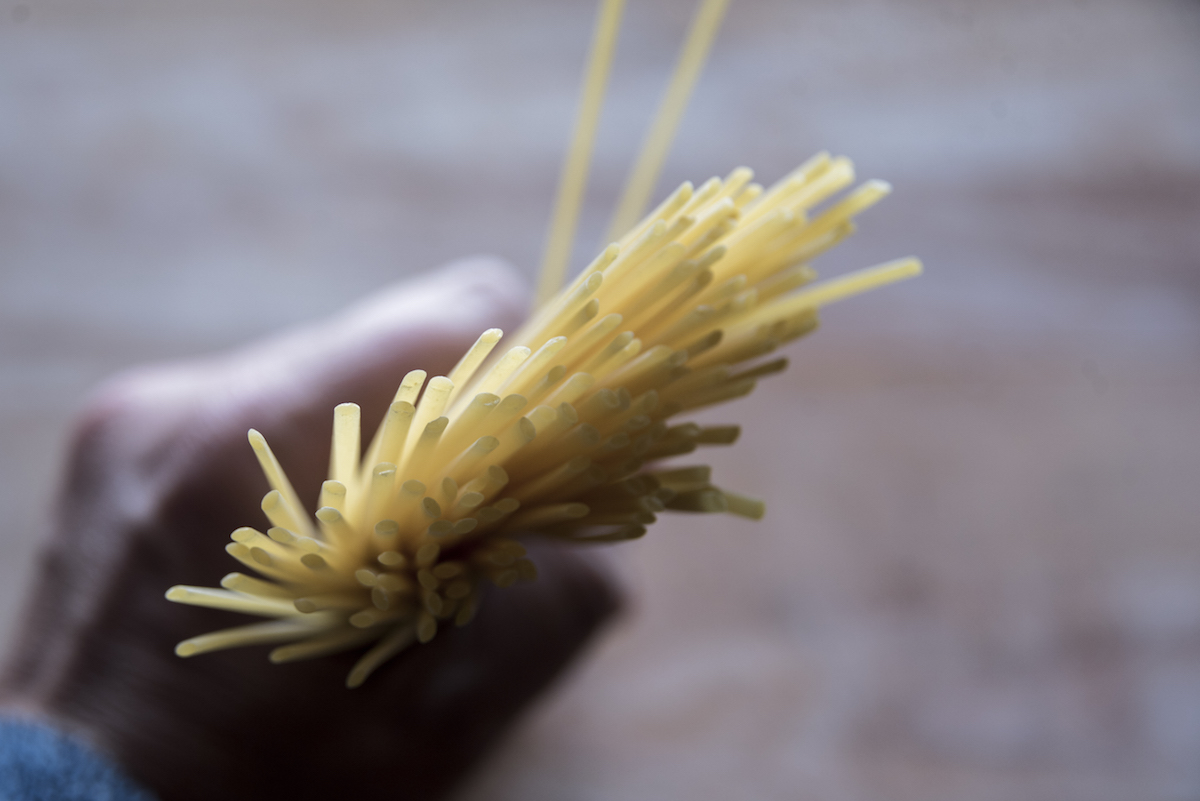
160,472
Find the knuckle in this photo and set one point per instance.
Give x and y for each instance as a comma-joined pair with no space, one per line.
127,409
113,402
125,453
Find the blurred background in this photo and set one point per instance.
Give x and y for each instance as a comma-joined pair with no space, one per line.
979,576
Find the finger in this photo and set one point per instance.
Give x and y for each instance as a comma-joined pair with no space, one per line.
181,428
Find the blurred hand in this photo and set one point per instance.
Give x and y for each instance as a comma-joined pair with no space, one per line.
158,476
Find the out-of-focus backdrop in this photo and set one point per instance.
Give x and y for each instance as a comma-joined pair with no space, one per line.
979,576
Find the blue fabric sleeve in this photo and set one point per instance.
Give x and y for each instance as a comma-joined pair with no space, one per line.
39,763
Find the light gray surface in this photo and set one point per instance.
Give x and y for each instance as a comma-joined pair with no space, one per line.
980,573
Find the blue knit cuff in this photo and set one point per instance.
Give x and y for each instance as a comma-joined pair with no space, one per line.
38,763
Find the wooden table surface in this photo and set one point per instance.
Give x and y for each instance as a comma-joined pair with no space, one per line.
979,576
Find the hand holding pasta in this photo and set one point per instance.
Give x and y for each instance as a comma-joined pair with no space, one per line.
560,436
159,470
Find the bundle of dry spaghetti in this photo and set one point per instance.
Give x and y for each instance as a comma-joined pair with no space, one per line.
564,433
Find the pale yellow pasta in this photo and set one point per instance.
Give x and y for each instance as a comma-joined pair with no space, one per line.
559,434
